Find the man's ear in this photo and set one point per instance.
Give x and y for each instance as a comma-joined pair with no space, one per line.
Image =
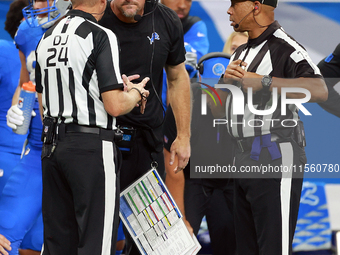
257,7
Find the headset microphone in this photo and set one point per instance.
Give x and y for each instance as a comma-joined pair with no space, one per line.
137,17
238,24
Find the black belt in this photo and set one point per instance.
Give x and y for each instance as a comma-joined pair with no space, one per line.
245,144
105,134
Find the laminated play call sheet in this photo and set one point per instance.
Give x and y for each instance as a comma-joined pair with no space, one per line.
153,219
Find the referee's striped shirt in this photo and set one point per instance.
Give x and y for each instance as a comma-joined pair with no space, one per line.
77,60
277,54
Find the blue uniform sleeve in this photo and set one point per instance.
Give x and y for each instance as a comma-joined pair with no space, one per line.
27,38
197,37
20,36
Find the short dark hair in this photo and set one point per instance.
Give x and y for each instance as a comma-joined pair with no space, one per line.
14,16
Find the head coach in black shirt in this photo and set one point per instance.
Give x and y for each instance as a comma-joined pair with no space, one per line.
151,37
270,64
81,90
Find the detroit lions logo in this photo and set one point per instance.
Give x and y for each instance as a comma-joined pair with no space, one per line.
154,37
218,69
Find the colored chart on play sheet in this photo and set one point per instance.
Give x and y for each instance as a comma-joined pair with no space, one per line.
153,219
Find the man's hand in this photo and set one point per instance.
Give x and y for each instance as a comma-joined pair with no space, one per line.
14,117
235,71
139,87
187,224
181,148
4,245
130,78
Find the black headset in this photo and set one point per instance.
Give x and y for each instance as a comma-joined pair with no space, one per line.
200,66
153,2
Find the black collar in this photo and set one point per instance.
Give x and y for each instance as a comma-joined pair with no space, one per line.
82,14
265,35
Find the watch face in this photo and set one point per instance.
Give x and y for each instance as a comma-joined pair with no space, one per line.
266,80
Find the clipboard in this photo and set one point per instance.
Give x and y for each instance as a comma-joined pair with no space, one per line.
153,219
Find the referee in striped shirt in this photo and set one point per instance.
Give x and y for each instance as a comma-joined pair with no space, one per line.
266,208
81,90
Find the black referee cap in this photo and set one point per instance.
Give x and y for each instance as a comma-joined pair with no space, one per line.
272,3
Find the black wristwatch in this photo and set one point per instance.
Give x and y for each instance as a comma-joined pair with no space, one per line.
266,82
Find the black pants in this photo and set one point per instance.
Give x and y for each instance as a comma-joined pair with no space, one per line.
266,209
203,198
133,167
80,196
139,161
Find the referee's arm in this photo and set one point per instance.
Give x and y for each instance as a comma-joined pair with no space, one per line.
118,102
316,86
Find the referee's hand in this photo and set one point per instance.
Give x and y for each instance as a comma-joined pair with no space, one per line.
139,87
130,78
235,70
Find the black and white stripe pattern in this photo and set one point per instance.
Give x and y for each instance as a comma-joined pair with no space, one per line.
285,195
276,54
110,194
73,80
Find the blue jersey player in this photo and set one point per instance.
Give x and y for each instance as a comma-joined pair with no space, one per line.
20,202
10,143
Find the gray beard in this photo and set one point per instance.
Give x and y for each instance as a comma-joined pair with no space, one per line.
129,15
